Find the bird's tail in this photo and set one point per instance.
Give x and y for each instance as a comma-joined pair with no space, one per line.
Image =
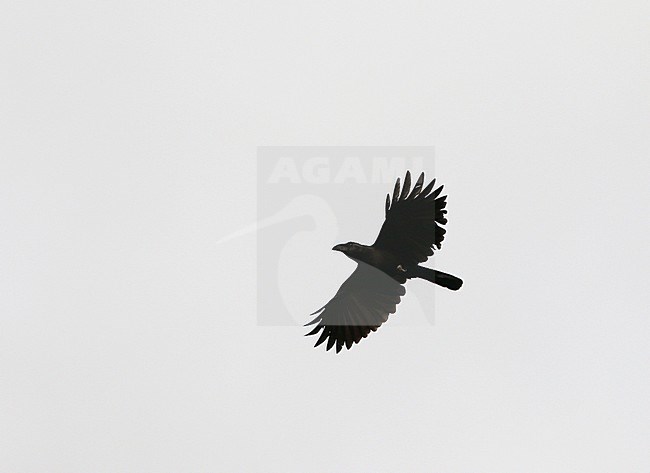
436,277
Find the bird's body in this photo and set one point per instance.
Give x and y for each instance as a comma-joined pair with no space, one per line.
413,227
378,258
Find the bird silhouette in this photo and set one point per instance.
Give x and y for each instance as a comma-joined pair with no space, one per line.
411,230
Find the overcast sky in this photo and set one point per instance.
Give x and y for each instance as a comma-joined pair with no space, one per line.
129,335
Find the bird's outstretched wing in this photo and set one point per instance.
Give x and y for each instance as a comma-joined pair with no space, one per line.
413,225
362,303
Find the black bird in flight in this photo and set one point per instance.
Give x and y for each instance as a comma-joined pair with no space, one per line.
411,230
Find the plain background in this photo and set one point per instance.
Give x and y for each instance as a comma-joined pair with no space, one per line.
128,337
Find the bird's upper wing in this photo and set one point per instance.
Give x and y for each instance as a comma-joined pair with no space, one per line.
413,225
362,303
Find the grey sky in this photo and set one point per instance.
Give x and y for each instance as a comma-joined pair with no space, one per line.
129,339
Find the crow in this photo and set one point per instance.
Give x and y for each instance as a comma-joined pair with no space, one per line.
411,230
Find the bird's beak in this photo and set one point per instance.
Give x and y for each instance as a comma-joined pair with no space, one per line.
339,248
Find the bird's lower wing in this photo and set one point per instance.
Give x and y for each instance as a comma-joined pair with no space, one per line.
362,303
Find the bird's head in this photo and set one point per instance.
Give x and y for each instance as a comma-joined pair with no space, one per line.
350,249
